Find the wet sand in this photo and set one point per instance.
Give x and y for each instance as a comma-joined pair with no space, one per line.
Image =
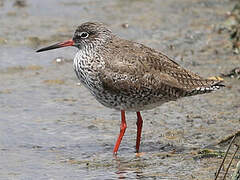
52,128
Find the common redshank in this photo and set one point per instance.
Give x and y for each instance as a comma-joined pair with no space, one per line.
129,76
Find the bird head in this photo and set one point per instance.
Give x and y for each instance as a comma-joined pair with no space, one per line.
89,34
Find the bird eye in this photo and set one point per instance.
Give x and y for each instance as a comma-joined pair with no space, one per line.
84,34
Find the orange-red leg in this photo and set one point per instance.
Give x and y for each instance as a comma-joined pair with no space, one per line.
139,131
122,131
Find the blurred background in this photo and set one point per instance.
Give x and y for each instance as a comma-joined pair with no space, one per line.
52,128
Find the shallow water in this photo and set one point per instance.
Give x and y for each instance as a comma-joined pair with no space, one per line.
52,128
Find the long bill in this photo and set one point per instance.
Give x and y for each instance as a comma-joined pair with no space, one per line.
58,45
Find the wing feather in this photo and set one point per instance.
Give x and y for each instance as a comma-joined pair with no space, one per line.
137,68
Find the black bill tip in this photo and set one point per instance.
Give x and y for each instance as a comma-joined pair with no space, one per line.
58,45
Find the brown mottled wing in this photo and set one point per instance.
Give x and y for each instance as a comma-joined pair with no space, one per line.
132,67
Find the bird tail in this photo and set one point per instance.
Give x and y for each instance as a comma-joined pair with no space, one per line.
210,85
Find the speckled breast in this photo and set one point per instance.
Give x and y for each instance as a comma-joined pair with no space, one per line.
87,68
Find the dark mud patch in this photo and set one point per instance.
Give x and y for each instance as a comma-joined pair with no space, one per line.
232,26
234,73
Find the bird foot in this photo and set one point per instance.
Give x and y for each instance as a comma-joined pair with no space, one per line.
140,154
